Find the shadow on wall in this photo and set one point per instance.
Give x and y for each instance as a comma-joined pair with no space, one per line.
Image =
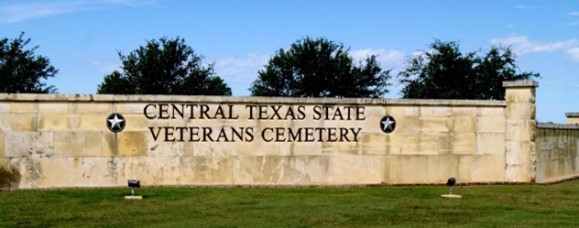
9,176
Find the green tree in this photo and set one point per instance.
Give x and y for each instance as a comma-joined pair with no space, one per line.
320,68
446,73
167,66
21,71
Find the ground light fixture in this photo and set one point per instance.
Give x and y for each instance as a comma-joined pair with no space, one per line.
132,183
450,183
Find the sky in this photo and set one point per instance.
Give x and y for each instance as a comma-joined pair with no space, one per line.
82,38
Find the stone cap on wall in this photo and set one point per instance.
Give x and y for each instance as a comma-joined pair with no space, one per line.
572,114
240,99
520,83
557,126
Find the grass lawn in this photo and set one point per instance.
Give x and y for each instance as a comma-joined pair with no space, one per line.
489,206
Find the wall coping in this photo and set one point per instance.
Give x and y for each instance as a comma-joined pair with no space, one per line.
572,114
240,99
557,126
520,83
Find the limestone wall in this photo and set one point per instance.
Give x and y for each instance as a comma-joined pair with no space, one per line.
557,152
63,140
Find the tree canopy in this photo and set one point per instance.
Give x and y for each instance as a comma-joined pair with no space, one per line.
166,66
445,73
21,71
320,68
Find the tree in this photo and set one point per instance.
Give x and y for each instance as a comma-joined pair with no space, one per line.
320,68
167,66
21,71
446,73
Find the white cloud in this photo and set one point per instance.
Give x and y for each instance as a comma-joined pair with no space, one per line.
26,11
527,7
574,53
22,12
389,58
105,67
574,14
523,45
239,73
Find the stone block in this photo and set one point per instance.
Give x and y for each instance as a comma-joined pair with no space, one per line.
344,148
399,111
463,144
53,122
23,107
109,144
170,149
438,138
2,144
371,149
412,169
132,143
520,130
90,122
88,171
434,124
402,149
29,144
137,122
215,149
21,122
430,149
520,111
346,169
53,108
130,108
92,108
433,111
404,125
540,176
30,170
461,125
389,167
491,111
464,111
251,170
490,124
53,173
4,107
77,144
442,167
490,143
269,170
519,153
481,168
520,95
515,173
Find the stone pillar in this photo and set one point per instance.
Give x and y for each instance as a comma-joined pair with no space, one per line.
520,131
572,117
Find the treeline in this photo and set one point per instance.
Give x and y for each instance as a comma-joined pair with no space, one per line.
310,67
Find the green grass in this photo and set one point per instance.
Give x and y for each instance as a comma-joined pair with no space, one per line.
481,206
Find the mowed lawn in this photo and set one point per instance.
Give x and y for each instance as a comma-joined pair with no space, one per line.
488,205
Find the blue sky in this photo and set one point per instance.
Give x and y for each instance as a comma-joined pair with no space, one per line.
81,38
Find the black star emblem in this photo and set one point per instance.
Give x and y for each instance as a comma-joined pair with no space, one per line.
116,122
387,124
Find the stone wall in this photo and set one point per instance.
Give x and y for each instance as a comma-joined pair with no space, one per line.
64,140
557,152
